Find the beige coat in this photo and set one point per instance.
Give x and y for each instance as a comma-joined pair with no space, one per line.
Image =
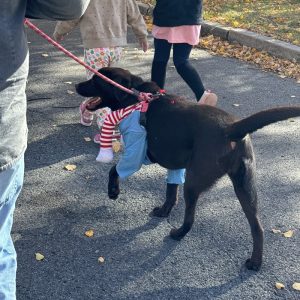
104,24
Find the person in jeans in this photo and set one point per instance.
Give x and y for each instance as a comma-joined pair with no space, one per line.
13,125
176,24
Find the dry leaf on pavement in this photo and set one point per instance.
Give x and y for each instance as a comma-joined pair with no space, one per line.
296,286
279,286
288,233
101,259
39,256
70,167
116,146
89,233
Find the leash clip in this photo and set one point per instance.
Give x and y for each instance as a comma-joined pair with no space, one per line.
147,97
142,96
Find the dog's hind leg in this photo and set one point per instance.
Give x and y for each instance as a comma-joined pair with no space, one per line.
244,183
171,200
113,183
192,190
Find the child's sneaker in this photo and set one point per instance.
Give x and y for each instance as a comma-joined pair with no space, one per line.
97,138
208,98
86,117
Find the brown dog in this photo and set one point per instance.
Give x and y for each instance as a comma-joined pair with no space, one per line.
205,140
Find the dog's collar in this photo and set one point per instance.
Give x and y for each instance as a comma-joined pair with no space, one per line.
148,97
159,93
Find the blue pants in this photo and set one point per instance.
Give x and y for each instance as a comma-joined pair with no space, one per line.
135,152
11,181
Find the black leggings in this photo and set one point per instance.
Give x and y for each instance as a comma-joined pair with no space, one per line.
181,54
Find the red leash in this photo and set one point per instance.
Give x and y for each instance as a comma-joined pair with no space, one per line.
141,96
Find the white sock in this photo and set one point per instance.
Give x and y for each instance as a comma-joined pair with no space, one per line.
105,155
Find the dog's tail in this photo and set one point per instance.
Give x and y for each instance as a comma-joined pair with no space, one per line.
239,129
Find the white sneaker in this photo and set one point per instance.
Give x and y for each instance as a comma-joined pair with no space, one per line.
208,98
105,155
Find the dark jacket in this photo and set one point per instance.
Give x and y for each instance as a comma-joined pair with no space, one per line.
170,13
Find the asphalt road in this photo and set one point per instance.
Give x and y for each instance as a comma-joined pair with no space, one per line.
140,261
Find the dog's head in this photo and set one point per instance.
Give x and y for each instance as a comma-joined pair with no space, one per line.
110,95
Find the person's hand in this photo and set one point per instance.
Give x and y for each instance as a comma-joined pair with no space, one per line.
144,44
58,37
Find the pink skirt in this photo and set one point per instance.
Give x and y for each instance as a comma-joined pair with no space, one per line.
180,34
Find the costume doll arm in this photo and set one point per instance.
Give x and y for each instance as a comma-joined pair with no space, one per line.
105,154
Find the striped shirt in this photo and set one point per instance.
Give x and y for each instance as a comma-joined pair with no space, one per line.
112,120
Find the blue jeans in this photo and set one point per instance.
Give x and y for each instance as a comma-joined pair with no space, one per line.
11,181
135,152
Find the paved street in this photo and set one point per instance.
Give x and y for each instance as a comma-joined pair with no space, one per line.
140,260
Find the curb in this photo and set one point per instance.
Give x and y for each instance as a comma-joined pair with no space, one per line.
251,39
244,37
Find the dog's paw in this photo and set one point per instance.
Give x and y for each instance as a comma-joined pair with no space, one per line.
176,234
250,265
159,212
113,193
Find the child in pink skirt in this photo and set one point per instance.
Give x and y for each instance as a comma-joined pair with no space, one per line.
176,24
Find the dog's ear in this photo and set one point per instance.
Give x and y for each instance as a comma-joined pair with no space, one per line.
128,82
136,81
119,94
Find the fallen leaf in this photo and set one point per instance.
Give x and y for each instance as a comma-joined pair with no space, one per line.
279,286
101,259
235,23
89,233
39,256
116,146
70,167
296,286
87,139
288,233
276,230
284,68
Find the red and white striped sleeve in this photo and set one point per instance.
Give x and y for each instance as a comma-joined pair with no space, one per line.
110,123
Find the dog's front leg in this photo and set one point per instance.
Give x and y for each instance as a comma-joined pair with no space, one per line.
171,200
113,183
